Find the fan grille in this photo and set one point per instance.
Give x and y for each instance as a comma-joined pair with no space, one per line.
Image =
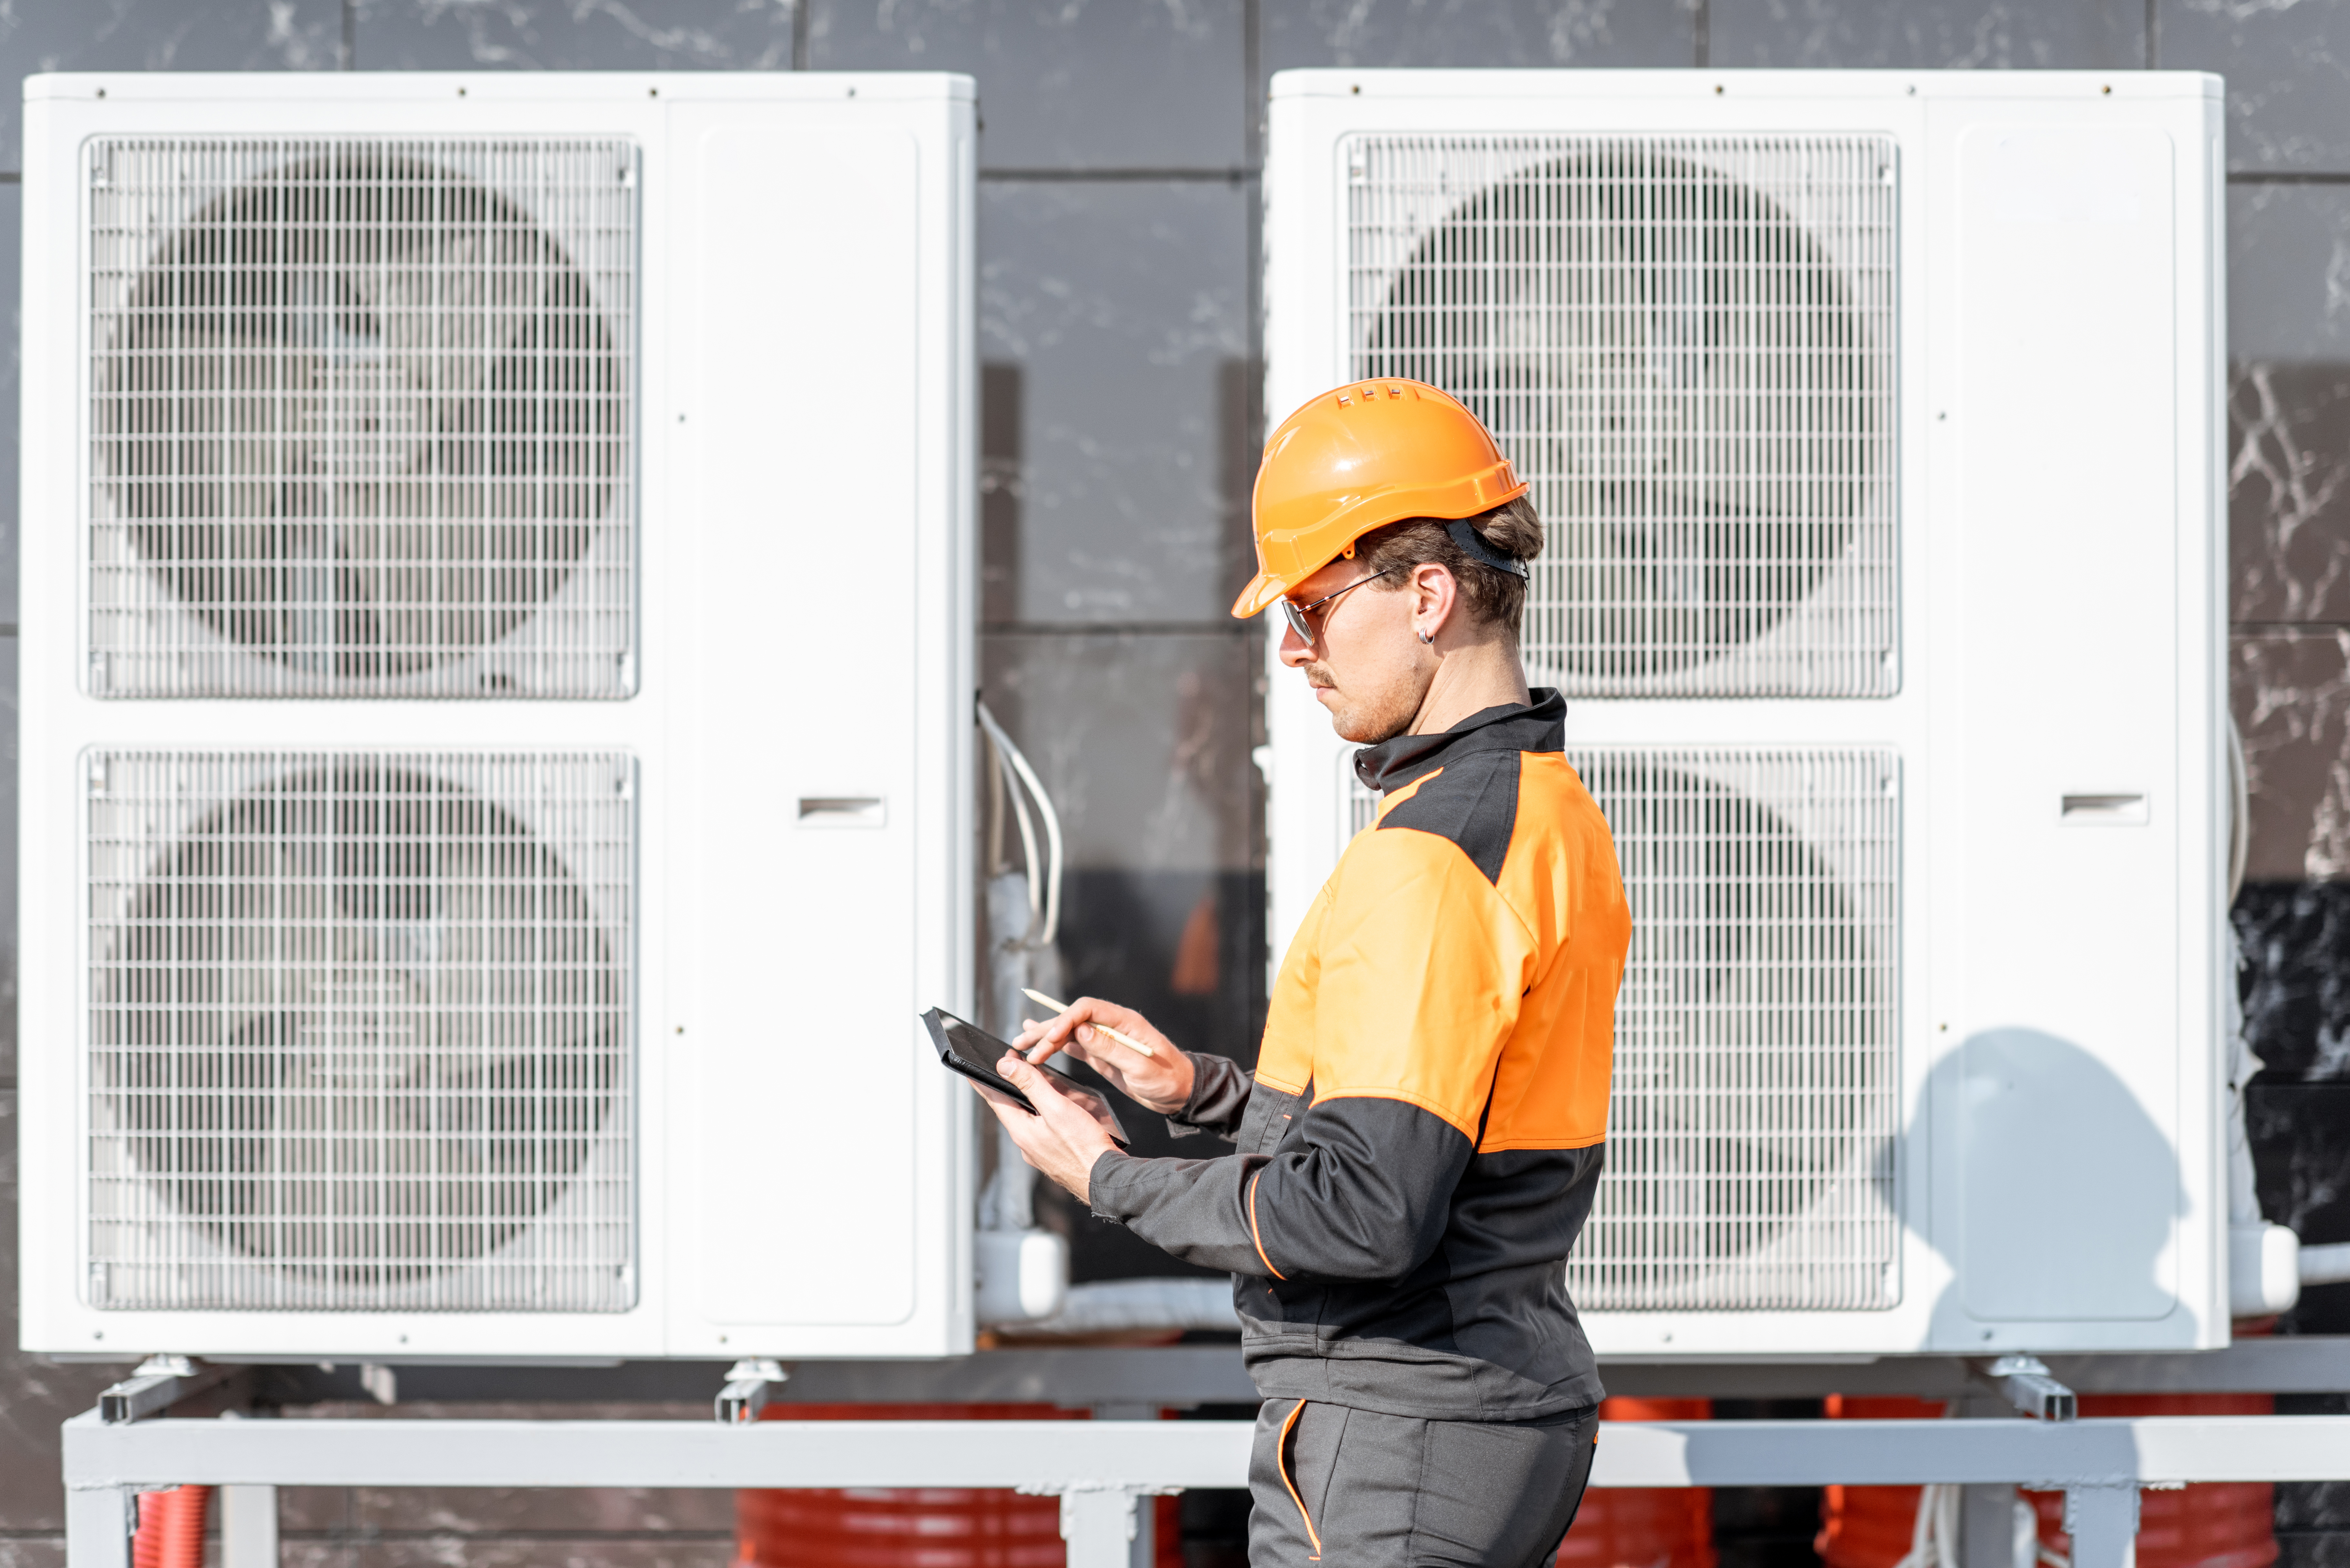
360,1032
1685,344
1753,1118
360,417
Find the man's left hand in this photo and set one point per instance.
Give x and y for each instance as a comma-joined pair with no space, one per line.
1066,1136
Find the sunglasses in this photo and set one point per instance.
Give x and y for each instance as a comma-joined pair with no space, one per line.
1294,613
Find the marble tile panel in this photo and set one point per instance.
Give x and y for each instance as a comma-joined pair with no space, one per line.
2290,692
1478,33
2288,403
1927,35
157,36
1065,86
2293,942
32,1551
1114,318
34,1396
2288,70
568,35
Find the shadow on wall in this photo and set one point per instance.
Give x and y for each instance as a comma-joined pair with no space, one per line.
2069,1193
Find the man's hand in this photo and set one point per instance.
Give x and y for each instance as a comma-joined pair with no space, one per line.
1160,1083
1067,1133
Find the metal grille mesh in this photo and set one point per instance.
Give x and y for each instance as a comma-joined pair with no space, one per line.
1753,1123
360,417
1685,344
360,1032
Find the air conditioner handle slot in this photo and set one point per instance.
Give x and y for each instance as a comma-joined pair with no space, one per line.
843,810
2103,810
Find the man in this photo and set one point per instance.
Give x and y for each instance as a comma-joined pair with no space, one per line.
1418,1145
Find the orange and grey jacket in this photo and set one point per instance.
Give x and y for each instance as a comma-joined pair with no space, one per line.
1418,1149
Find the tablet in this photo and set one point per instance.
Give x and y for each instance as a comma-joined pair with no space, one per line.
968,1049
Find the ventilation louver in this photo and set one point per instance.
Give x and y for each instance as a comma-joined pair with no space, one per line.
360,416
1753,1123
360,1032
1685,344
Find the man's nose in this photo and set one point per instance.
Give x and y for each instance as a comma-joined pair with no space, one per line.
1295,651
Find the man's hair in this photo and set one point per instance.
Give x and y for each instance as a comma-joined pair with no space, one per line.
1493,597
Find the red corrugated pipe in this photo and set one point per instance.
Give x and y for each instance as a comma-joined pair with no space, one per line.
1644,1527
172,1528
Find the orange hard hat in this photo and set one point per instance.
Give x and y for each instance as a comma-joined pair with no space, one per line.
1367,454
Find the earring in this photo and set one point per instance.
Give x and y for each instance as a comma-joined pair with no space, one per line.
1424,636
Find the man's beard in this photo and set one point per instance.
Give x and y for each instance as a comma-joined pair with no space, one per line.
1355,721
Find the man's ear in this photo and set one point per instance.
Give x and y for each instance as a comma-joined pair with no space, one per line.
1436,595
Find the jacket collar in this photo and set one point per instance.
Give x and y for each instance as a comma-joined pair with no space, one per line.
1512,727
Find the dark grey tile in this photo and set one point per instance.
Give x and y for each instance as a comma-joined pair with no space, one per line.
1142,742
2288,70
32,1551
1114,317
2289,403
1478,33
2288,272
35,1397
1927,35
555,34
1065,86
159,36
2291,694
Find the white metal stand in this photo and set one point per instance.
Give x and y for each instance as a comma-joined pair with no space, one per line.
1102,1469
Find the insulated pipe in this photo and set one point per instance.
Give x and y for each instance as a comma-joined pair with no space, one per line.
1109,1305
172,1528
2326,1265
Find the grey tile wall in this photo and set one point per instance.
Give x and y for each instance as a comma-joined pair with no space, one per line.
2107,34
1118,252
2287,67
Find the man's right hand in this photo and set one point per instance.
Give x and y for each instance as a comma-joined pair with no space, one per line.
1161,1082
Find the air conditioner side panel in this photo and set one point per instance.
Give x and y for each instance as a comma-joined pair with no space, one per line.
2075,698
821,465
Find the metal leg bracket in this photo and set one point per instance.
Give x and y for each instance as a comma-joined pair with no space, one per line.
749,1386
1105,1522
2025,1382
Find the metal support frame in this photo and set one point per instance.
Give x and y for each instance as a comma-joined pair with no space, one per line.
149,1431
1102,1469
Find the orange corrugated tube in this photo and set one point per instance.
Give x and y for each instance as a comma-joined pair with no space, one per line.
1644,1527
172,1528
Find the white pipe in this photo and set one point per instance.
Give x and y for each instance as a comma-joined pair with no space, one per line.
1053,858
1108,1305
2326,1265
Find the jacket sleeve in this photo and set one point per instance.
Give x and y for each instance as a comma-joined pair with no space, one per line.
1422,967
1220,1094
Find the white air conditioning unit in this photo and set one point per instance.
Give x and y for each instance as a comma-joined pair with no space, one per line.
1877,422
496,685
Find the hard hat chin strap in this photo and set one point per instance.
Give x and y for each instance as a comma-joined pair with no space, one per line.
1476,549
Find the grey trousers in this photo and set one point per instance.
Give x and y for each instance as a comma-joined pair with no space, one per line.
1352,1488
